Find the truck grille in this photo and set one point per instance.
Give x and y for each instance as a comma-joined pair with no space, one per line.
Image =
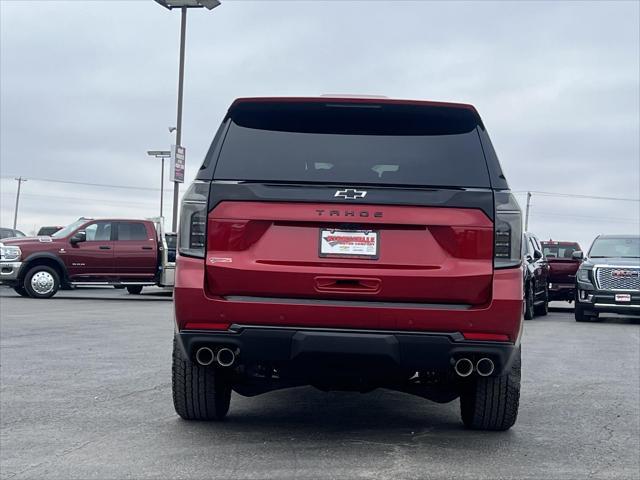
618,278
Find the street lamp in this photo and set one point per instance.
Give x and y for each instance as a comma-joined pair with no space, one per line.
161,154
183,5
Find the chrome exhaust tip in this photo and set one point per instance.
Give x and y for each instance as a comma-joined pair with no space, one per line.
463,367
485,367
225,357
205,356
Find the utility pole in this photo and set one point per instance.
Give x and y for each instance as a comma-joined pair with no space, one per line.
526,215
15,213
176,185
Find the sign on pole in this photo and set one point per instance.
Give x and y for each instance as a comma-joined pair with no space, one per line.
177,164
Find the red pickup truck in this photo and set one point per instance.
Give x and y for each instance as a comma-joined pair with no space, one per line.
562,268
119,252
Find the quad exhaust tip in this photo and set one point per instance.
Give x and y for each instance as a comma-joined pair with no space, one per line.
226,357
463,367
205,356
485,367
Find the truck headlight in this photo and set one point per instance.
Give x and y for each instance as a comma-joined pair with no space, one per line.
9,253
583,275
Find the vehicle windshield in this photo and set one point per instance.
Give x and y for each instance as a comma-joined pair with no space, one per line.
615,247
69,228
560,250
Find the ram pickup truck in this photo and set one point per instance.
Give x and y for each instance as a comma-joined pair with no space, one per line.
350,244
608,279
119,252
562,269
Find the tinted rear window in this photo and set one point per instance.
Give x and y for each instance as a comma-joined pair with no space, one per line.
132,231
353,144
562,250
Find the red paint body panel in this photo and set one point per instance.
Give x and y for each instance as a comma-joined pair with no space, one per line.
503,315
426,254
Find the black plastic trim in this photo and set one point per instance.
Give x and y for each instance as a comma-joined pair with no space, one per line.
405,350
347,303
376,195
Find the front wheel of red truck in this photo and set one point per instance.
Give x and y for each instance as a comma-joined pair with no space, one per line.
199,393
491,403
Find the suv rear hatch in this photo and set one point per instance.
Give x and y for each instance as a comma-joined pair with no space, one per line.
351,201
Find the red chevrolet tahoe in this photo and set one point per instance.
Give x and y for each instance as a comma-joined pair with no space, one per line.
353,244
125,253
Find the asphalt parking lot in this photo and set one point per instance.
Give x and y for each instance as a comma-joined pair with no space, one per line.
86,393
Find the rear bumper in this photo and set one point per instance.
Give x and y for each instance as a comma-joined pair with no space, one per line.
369,349
195,310
562,291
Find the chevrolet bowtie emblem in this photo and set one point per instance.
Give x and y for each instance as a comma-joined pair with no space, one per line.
350,194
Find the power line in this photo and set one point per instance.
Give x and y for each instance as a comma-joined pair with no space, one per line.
103,185
586,217
575,195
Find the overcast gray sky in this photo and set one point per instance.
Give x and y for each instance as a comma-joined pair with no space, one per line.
88,86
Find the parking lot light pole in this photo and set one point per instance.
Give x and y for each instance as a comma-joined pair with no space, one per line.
183,5
161,154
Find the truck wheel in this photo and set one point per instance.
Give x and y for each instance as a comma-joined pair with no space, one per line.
528,303
41,282
134,289
199,393
543,309
584,315
21,291
491,403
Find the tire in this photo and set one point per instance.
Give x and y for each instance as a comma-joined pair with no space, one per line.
491,403
134,289
583,315
199,393
20,290
543,309
42,282
528,303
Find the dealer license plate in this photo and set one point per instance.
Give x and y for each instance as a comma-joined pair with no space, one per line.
623,297
349,243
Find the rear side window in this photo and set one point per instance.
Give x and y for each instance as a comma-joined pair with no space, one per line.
132,231
385,144
560,250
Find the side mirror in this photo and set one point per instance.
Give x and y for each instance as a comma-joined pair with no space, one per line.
537,255
577,255
528,257
79,236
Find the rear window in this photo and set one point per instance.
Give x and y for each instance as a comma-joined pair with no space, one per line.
560,250
353,144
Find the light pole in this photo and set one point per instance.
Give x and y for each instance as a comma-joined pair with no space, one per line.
161,154
183,5
15,213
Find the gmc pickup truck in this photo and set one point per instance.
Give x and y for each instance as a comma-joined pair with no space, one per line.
119,252
350,244
562,269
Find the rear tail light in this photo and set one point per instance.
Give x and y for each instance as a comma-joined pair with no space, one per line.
235,235
507,249
193,220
